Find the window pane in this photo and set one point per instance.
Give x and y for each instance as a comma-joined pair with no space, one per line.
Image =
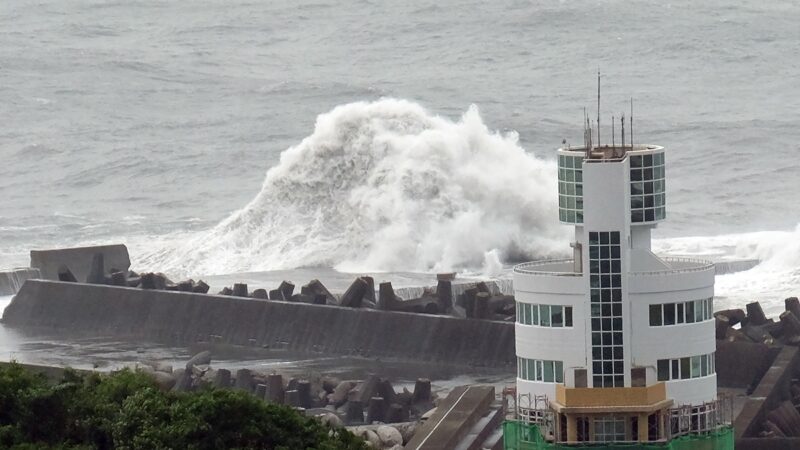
559,372
680,312
704,365
690,312
655,315
698,311
548,372
669,313
695,366
534,315
544,315
685,368
556,316
663,369
538,370
568,316
676,372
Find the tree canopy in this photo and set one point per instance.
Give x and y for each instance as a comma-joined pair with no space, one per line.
126,410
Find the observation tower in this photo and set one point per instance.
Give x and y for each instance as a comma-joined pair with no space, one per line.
615,347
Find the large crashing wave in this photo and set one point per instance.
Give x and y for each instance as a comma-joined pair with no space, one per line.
775,278
386,186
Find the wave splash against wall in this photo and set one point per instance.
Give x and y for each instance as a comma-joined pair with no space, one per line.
385,186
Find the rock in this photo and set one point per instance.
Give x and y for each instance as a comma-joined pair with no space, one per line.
293,398
286,288
154,281
734,316
184,380
481,310
389,436
755,315
372,439
355,412
244,380
199,359
328,384
386,296
275,392
396,413
222,379
354,295
376,411
240,290
422,390
64,274
793,305
97,271
304,393
260,294
331,420
339,395
201,287
164,381
314,288
119,279
261,391
722,325
444,295
369,296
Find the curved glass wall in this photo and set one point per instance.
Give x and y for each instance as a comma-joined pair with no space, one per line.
570,189
648,198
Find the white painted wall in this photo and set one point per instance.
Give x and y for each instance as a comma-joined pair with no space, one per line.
693,391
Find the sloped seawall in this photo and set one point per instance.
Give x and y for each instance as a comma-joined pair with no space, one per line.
184,318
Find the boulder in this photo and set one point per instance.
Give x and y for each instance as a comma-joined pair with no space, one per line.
199,359
339,395
389,436
201,287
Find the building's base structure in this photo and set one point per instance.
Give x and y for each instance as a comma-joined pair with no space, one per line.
521,436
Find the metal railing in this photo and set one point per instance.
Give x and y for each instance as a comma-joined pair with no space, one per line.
528,268
698,265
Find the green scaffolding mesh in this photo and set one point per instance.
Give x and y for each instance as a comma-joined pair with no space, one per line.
520,436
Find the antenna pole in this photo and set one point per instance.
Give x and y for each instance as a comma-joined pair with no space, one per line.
622,120
598,108
631,123
613,143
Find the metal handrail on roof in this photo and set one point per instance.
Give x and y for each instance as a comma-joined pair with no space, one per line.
526,268
699,266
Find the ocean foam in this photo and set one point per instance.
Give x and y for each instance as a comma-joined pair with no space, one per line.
385,186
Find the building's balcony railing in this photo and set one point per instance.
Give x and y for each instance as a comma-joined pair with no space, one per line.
679,265
553,267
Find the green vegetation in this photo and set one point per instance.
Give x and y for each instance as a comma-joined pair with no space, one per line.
126,410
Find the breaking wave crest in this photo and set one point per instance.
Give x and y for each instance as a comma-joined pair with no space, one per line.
385,186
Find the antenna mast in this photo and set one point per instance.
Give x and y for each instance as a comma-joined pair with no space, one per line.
631,124
622,120
598,108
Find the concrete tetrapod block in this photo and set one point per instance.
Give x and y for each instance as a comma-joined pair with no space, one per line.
64,274
304,393
422,390
244,380
354,295
355,412
755,314
240,290
222,379
444,293
261,391
793,305
376,411
287,289
79,260
275,392
97,270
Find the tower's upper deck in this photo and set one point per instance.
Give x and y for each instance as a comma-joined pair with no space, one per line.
644,170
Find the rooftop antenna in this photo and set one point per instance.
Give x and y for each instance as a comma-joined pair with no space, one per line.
631,124
598,107
613,142
622,120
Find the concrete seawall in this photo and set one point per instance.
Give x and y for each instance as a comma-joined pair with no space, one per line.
12,280
184,318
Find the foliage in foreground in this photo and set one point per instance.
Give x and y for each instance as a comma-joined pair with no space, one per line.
126,410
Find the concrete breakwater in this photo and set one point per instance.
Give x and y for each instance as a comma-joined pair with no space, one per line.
12,280
186,318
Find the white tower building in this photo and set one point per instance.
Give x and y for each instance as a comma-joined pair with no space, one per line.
616,344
